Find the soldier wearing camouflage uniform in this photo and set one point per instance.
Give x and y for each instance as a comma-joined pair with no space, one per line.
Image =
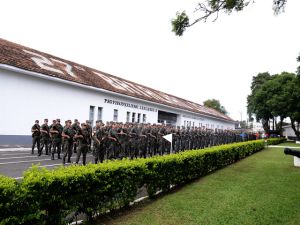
82,138
45,133
68,139
36,135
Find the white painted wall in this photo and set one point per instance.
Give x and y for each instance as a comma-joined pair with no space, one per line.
24,98
288,131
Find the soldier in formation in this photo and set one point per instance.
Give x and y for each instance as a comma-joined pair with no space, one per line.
131,140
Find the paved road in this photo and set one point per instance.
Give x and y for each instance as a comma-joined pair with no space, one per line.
14,161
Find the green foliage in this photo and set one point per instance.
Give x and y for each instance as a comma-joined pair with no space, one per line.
215,104
259,190
274,96
275,141
213,7
180,23
49,196
7,190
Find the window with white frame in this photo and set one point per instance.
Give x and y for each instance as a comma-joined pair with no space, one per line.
91,114
139,118
128,117
144,118
115,115
133,117
99,115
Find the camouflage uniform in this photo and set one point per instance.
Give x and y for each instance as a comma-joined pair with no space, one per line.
36,135
82,138
68,137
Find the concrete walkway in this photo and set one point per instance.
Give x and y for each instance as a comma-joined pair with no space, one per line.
280,146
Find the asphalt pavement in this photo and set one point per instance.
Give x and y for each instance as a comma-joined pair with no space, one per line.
14,161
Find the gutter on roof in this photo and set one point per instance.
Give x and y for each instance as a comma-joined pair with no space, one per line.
40,75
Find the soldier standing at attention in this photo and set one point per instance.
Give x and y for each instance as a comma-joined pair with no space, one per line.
75,127
82,136
68,135
134,138
54,135
99,147
113,142
90,130
59,139
45,132
51,139
162,142
36,135
143,143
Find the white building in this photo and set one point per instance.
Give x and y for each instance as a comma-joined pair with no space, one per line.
36,85
288,132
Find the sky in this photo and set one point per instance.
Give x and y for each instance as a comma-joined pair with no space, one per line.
132,39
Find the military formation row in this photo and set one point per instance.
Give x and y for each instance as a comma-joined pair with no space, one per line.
117,140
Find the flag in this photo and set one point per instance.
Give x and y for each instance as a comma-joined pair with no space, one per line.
168,137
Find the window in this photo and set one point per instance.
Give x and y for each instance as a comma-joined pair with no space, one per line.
217,126
128,117
185,123
193,124
99,116
133,117
144,118
222,127
139,118
91,116
115,115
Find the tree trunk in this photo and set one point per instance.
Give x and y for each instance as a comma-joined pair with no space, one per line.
279,127
266,126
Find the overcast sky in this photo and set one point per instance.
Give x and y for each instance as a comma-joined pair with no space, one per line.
133,39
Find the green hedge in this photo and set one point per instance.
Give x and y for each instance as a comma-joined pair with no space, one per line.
49,196
275,141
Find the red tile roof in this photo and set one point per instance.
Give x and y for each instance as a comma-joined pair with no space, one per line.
32,60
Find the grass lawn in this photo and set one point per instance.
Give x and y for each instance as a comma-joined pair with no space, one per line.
291,144
261,189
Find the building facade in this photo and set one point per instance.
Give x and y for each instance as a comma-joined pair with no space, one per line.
36,85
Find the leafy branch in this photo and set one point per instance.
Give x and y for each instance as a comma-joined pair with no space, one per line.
213,7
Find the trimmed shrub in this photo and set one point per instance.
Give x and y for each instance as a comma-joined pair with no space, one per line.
50,196
275,141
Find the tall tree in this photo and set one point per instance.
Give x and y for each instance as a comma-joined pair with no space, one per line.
275,98
256,101
215,104
210,8
293,90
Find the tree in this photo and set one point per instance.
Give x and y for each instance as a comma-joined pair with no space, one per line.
215,104
274,98
256,101
298,68
213,7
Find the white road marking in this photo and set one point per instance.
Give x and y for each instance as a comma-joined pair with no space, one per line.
276,146
21,157
17,153
24,161
15,149
38,160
